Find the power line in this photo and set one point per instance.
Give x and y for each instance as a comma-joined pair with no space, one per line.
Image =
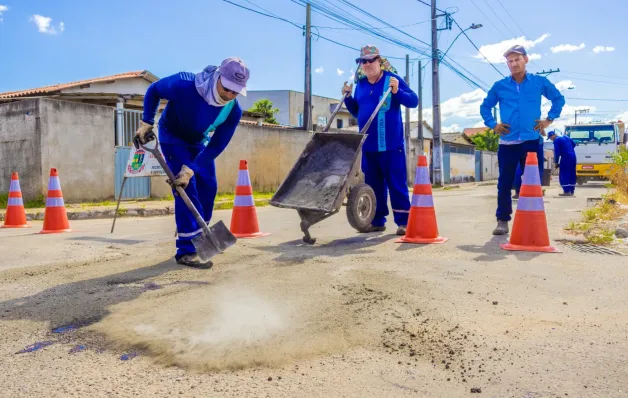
476,47
488,19
499,19
596,81
382,28
261,13
598,99
591,74
501,4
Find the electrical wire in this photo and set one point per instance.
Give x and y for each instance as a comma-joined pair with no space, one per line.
476,47
598,99
489,20
513,20
499,19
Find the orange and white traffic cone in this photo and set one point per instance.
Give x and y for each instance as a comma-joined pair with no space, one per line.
15,216
529,231
422,226
55,218
244,222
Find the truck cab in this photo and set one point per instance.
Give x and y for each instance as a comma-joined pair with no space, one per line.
595,144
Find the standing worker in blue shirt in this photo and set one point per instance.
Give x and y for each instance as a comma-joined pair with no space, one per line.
565,160
383,152
198,105
519,97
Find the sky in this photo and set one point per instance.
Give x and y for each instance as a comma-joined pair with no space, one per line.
46,42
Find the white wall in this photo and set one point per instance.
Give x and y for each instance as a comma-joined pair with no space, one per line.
137,86
462,167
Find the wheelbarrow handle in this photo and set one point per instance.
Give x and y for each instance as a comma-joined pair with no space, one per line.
344,97
162,162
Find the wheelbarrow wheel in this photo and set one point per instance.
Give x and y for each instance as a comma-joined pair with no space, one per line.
361,204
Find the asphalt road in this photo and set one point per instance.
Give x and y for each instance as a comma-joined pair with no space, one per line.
353,315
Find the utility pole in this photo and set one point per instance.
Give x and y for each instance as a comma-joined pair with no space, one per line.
307,98
579,111
407,134
439,177
420,136
549,72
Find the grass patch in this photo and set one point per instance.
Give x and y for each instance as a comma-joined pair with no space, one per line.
580,227
29,204
601,237
228,204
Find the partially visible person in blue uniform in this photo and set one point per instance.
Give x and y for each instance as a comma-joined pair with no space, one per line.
383,152
519,98
196,126
565,160
540,154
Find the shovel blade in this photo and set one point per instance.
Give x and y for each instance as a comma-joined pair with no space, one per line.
205,247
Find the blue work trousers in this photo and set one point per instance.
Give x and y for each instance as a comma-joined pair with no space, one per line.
386,172
201,190
567,173
509,157
540,154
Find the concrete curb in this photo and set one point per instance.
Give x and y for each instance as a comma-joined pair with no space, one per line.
93,214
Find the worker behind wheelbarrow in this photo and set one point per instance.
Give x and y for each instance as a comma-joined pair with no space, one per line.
198,104
383,153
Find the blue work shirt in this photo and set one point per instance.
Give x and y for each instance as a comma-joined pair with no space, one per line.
564,148
520,105
187,117
385,134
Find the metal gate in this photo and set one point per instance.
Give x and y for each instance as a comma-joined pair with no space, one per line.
127,122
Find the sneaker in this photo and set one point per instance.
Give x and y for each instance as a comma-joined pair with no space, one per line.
564,194
516,196
502,228
373,228
192,260
401,231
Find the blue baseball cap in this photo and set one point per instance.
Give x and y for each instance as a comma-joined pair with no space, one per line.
551,133
516,49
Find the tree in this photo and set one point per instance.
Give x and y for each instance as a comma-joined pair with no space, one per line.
265,107
486,141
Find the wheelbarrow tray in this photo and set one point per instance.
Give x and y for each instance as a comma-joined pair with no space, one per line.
321,176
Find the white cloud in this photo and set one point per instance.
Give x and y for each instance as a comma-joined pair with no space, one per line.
465,106
454,128
351,72
566,48
340,72
602,49
319,70
2,10
495,52
564,85
567,115
622,116
44,25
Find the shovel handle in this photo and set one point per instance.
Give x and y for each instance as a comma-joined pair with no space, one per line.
381,102
162,162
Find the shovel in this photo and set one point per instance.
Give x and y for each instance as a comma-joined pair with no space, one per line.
211,241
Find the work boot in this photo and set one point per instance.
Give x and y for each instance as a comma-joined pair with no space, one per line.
373,228
502,228
401,231
192,260
564,194
516,195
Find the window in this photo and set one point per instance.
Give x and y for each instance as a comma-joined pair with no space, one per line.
322,120
300,117
339,123
592,134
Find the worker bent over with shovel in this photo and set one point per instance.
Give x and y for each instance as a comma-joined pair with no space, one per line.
383,152
198,105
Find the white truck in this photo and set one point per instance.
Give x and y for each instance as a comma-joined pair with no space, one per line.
595,144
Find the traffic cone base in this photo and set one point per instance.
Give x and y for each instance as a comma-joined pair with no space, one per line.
244,224
55,217
529,231
422,227
15,216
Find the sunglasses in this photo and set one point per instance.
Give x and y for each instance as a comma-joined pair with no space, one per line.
368,61
230,91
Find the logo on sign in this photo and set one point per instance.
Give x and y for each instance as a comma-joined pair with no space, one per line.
137,165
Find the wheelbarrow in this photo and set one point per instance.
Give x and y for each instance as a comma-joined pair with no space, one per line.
327,173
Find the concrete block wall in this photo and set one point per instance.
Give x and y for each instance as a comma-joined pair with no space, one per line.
76,139
20,147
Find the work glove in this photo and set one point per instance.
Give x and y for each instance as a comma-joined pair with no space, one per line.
182,179
143,134
347,89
